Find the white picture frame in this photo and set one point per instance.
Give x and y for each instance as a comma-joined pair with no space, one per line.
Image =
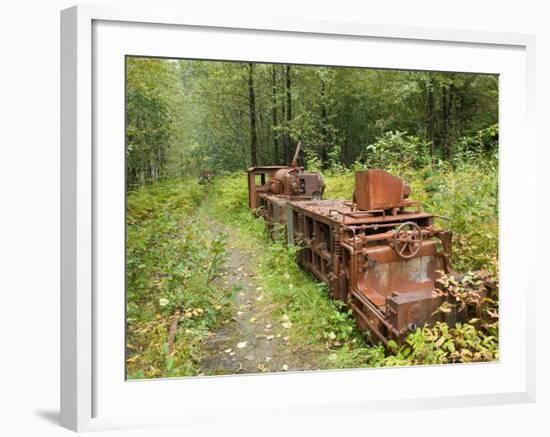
94,393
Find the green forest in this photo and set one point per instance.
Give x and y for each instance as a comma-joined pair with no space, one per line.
183,116
207,291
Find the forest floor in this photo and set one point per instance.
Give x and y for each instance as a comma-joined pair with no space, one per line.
254,339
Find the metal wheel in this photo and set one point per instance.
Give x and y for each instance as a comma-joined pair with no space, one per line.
407,240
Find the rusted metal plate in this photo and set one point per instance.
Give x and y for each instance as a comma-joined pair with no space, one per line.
379,190
344,212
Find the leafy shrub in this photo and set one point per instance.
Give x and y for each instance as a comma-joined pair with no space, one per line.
396,149
481,145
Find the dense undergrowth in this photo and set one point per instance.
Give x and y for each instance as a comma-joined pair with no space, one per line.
172,260
173,257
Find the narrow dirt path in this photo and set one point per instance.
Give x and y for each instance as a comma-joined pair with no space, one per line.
252,340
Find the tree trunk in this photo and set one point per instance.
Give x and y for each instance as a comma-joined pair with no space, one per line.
252,110
447,102
274,120
444,121
288,115
283,137
450,122
430,117
324,123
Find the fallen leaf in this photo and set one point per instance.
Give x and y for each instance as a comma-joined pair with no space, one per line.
242,344
218,307
240,313
286,325
286,318
228,350
259,288
261,368
252,320
286,338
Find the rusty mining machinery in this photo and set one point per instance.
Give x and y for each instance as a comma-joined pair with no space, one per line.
379,252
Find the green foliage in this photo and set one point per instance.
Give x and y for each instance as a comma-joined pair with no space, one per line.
467,196
189,115
396,149
443,345
482,145
172,260
152,100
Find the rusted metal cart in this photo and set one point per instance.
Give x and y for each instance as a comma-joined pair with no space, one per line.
380,254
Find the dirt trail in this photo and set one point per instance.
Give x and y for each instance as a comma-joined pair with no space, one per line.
252,340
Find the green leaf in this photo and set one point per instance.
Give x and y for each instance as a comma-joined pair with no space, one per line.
392,345
170,363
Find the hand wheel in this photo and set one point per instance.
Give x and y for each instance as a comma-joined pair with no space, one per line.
407,240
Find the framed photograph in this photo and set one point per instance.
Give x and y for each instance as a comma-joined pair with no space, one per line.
291,218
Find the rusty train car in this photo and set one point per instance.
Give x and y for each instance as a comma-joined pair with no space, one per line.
378,252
